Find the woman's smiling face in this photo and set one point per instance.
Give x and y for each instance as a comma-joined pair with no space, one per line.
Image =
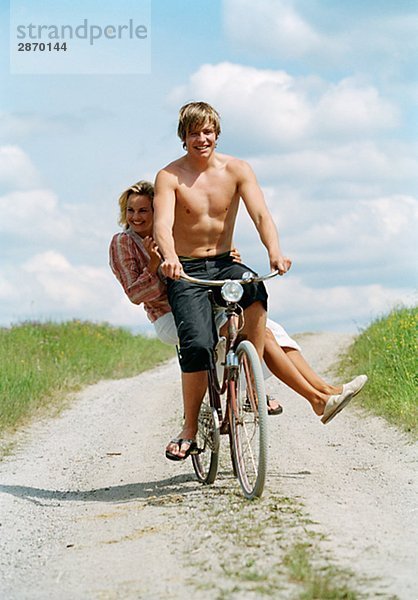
139,214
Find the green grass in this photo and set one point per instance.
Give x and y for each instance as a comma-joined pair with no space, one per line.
318,583
40,363
387,352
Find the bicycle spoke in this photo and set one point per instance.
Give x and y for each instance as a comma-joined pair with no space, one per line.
205,463
249,422
250,450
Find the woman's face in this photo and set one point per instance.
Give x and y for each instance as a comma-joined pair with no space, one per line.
139,214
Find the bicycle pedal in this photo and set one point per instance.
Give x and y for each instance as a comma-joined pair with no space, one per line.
246,407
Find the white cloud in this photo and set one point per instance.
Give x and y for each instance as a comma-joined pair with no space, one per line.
34,214
73,287
352,162
7,291
49,286
375,222
50,253
300,307
396,216
272,26
385,43
16,169
17,125
270,109
14,126
341,243
339,35
372,241
255,103
352,108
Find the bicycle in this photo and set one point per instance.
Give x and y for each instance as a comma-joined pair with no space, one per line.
235,403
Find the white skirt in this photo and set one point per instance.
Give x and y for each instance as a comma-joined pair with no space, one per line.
165,328
282,337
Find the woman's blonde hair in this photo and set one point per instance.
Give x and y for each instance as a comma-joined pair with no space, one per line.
143,188
194,115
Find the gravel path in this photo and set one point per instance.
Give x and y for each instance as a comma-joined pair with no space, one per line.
90,508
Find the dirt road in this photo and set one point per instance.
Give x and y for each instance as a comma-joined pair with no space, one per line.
90,508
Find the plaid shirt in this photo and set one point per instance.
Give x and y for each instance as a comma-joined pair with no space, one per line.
129,261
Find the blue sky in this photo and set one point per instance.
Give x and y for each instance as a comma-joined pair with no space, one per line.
319,96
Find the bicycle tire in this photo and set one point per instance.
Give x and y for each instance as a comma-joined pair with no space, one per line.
205,463
249,422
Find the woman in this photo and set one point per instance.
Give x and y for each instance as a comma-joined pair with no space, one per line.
134,259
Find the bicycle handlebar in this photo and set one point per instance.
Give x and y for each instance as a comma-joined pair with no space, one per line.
251,278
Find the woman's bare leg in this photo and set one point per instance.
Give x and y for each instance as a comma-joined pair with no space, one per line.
309,374
282,367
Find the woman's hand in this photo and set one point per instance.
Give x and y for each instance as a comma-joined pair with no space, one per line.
236,255
152,249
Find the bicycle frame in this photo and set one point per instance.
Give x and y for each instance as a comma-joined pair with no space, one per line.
243,415
217,388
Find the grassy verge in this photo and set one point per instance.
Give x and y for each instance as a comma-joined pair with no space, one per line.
386,351
40,363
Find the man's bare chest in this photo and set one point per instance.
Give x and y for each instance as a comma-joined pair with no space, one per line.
213,196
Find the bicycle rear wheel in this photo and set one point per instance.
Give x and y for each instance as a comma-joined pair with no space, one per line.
205,463
248,416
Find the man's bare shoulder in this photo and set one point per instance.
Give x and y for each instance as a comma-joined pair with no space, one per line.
168,176
236,166
173,168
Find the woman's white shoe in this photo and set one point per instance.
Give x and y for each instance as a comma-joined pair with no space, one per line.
355,385
335,404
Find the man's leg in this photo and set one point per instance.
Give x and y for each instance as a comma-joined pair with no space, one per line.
192,312
194,387
255,326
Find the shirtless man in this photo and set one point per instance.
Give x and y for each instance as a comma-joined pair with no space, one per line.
196,203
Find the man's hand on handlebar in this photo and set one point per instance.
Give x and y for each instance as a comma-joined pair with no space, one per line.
281,263
172,268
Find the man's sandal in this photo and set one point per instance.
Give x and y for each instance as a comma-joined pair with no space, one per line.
273,411
192,449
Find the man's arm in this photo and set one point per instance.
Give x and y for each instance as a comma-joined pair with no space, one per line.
253,198
164,211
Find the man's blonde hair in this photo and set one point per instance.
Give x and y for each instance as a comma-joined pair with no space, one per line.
194,115
143,188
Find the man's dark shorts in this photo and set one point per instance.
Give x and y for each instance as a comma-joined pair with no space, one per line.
192,307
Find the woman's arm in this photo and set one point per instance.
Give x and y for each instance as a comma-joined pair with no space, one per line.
131,269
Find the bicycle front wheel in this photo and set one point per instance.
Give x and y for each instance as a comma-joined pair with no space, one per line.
205,463
248,415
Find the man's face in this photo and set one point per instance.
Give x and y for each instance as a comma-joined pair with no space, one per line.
139,214
201,141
